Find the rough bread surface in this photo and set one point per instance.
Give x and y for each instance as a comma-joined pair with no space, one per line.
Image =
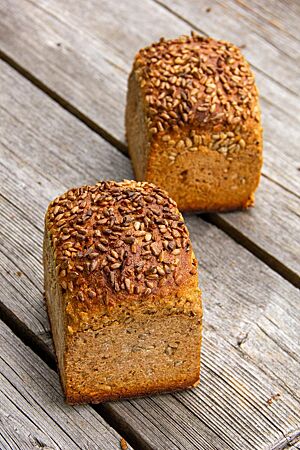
193,123
122,292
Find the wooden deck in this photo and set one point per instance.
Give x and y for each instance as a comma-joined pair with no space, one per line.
63,78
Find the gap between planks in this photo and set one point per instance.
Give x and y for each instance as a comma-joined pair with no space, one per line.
163,400
44,352
252,247
92,125
290,275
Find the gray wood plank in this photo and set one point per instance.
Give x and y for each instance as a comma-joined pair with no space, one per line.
231,20
45,150
251,26
45,37
32,411
256,228
282,15
276,23
94,79
275,242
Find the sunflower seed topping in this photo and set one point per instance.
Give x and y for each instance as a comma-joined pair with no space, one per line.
118,236
196,80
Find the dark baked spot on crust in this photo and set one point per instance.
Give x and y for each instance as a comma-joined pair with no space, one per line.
126,237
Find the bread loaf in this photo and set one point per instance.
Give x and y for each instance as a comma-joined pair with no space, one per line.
122,292
193,123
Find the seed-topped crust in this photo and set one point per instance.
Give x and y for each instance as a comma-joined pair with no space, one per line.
116,240
195,80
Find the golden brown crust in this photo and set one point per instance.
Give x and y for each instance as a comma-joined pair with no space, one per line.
75,398
195,80
122,290
201,135
118,242
206,179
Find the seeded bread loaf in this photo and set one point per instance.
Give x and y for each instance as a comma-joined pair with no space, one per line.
193,123
122,292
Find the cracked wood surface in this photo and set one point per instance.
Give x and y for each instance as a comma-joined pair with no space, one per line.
32,411
83,59
249,394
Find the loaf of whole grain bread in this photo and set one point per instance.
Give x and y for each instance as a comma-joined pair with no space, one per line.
193,123
122,292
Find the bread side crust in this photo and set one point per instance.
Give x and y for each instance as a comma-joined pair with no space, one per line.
165,357
55,304
75,398
206,180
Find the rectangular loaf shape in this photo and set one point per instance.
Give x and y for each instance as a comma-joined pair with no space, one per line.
193,123
122,292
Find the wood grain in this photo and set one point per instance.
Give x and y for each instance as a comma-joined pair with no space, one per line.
270,49
251,313
93,82
282,16
279,165
43,38
232,20
32,411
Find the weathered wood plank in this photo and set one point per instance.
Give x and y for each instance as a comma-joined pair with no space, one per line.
43,153
276,23
272,201
95,68
32,411
281,155
282,15
228,20
256,227
248,27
